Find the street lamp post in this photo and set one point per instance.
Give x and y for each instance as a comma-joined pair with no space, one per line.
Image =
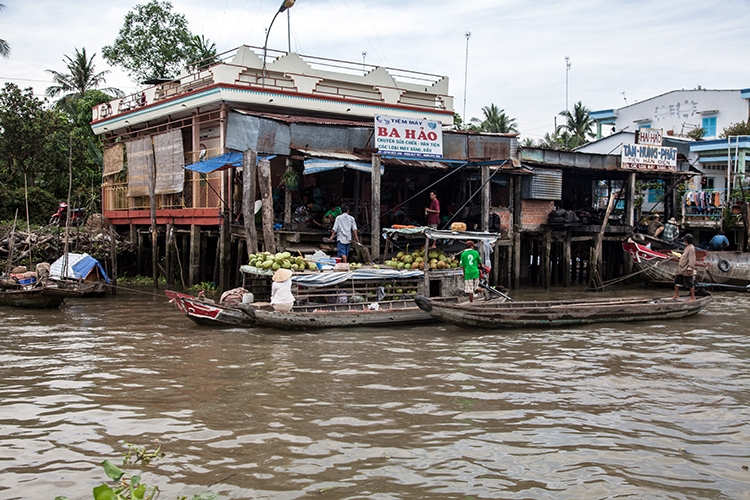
285,4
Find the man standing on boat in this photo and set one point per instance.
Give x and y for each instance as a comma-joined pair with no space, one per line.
470,261
345,230
685,276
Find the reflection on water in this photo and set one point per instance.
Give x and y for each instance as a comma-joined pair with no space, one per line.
641,410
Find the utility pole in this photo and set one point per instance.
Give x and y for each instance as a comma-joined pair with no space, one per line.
289,31
567,70
364,55
466,76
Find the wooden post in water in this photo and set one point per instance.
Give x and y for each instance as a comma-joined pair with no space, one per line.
266,196
154,233
249,159
113,258
546,256
595,283
566,256
195,255
375,209
169,253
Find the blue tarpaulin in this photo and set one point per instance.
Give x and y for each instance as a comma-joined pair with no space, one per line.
226,160
79,267
317,165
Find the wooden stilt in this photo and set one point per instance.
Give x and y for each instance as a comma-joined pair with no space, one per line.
266,196
169,254
249,183
375,210
566,257
194,272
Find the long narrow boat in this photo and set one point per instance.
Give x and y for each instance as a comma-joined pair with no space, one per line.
719,270
302,317
387,313
36,297
498,315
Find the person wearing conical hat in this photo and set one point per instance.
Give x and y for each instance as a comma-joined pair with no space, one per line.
671,231
282,299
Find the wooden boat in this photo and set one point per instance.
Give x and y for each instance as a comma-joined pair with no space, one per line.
497,315
35,296
725,270
83,274
387,313
207,313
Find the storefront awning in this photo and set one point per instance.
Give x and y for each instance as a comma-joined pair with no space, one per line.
221,162
317,165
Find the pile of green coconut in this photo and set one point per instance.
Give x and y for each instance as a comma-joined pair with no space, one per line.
281,260
415,260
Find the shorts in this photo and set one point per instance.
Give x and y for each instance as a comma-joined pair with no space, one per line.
285,307
684,281
470,286
342,249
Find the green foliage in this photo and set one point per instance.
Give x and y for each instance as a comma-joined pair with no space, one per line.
34,141
696,134
42,205
154,42
140,280
80,78
578,124
4,45
495,121
458,122
130,487
739,128
206,286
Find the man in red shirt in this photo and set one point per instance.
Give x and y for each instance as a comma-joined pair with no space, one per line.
433,213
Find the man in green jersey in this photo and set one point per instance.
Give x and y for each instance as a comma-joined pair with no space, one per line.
470,262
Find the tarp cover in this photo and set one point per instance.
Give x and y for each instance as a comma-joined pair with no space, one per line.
79,267
226,160
169,158
318,280
140,166
317,165
113,160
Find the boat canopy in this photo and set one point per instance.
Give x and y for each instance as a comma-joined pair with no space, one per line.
80,266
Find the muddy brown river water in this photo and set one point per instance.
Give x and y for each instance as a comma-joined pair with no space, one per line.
639,410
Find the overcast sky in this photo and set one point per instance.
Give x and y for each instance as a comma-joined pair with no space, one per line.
620,51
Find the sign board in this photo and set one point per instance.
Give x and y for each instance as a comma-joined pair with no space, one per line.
408,137
643,157
649,136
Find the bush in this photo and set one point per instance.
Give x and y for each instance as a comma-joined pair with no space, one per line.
42,205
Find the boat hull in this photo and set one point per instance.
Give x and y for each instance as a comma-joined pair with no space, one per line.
720,270
391,313
506,315
36,298
208,314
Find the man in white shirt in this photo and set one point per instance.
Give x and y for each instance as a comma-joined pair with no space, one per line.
345,230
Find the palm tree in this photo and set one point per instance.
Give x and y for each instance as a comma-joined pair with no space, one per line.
578,124
81,77
4,46
496,121
201,52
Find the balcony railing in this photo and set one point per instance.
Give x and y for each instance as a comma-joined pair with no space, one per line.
200,191
304,74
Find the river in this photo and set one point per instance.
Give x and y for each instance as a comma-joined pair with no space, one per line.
639,410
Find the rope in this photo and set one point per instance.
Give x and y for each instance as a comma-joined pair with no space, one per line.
628,276
135,290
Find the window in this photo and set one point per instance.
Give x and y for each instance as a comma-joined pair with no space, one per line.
709,126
